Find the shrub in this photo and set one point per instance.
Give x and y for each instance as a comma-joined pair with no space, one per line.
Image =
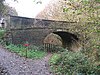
2,32
74,63
54,59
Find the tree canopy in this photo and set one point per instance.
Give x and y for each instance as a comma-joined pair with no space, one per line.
2,7
85,12
72,10
5,9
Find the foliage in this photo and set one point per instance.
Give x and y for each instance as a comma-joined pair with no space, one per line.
54,59
72,10
2,7
59,49
6,9
87,15
2,32
10,10
73,63
33,53
83,10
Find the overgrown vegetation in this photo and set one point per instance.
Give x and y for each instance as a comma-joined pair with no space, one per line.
2,33
6,9
87,62
32,52
73,63
87,15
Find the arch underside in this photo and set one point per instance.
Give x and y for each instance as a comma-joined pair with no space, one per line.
64,39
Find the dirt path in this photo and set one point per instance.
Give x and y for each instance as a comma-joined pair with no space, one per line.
17,65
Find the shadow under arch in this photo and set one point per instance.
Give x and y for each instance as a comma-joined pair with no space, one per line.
64,39
69,40
53,39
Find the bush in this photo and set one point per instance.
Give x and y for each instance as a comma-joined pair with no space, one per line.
74,63
55,58
2,32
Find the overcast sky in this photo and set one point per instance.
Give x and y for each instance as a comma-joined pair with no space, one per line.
28,8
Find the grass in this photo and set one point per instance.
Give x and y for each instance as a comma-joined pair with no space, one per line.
31,53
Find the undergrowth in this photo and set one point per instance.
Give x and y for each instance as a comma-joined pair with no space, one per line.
2,31
73,63
33,52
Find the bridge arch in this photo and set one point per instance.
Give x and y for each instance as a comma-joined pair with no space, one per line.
64,39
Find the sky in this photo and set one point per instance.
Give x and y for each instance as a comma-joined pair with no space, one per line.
28,8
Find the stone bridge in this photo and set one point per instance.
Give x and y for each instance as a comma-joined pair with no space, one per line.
38,31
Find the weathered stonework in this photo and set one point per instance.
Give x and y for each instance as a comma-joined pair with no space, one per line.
35,30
